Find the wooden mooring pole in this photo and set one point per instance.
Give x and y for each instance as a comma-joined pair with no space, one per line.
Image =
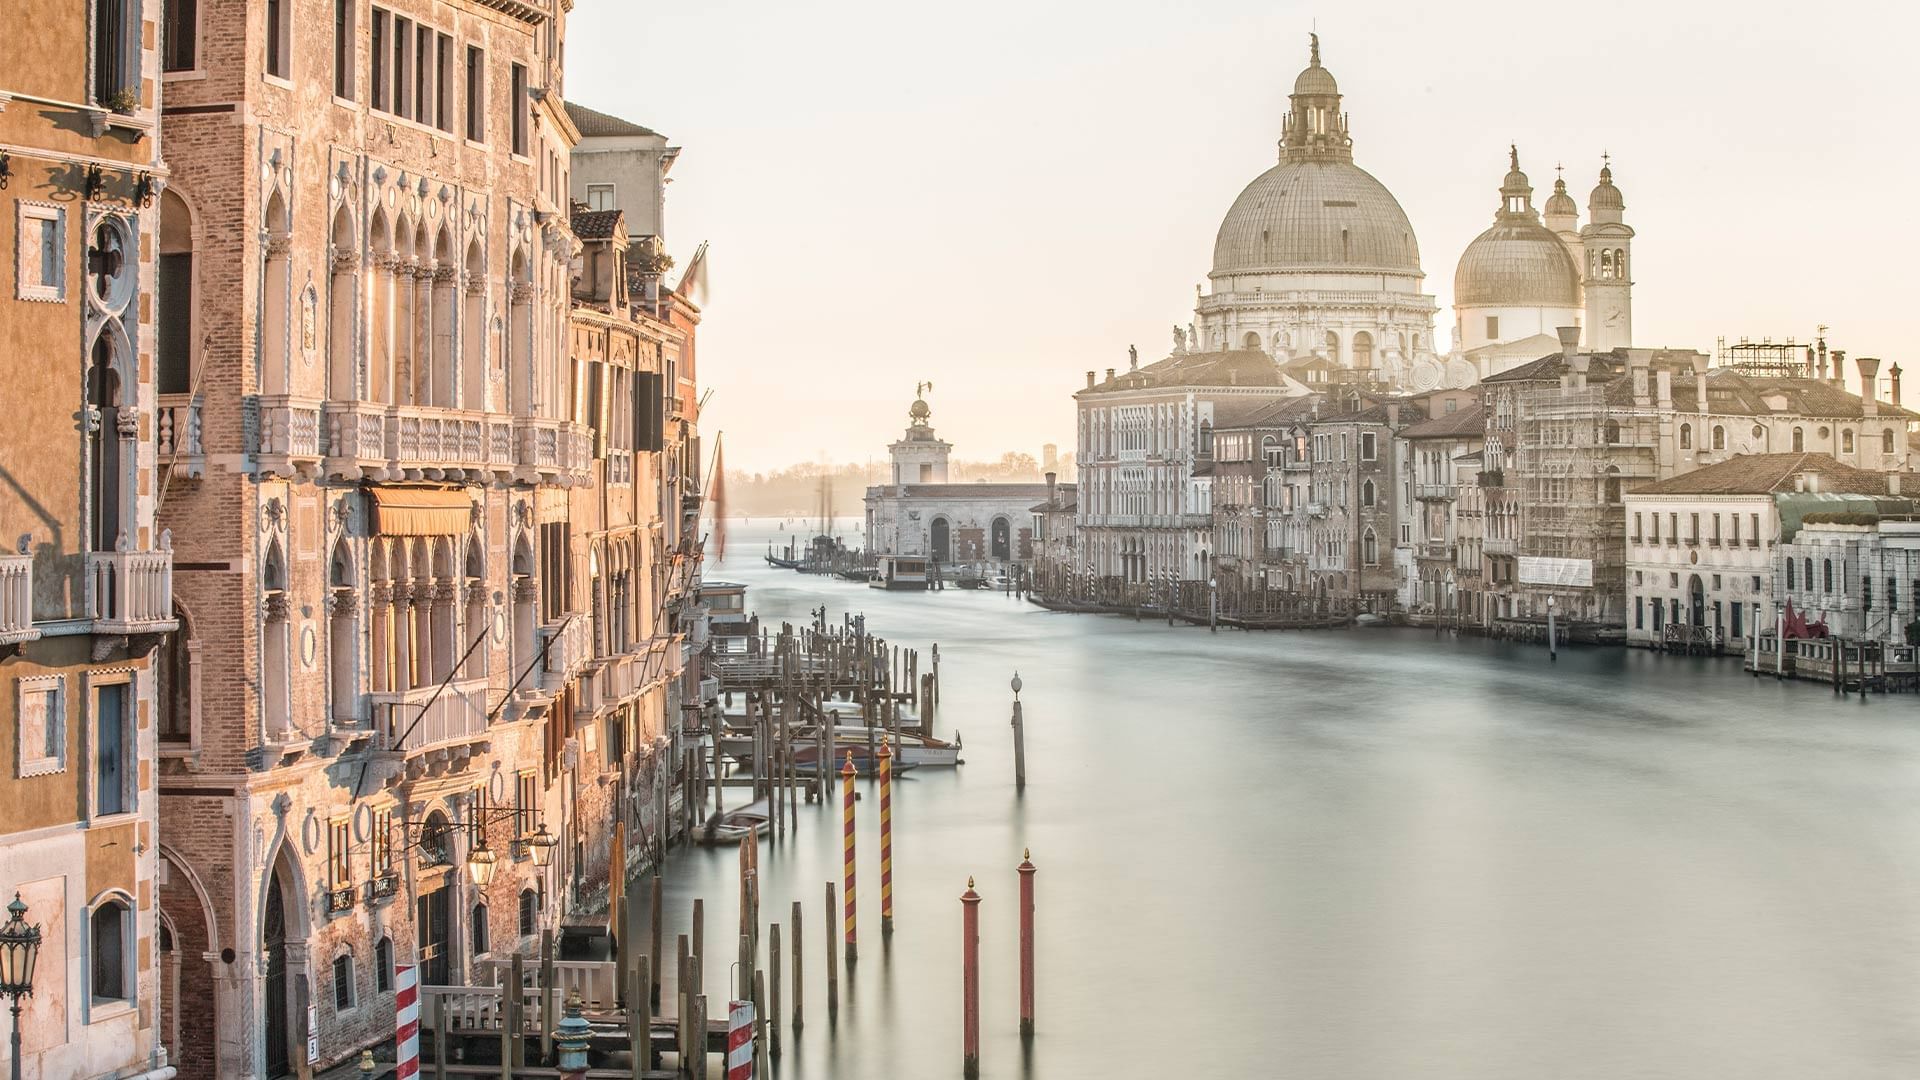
1027,871
799,983
833,962
970,982
1019,740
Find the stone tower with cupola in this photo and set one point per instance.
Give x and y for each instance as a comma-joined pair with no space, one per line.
919,456
1607,281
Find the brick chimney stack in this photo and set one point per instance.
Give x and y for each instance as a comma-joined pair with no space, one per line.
1090,380
1893,375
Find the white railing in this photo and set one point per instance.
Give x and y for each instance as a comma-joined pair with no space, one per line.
176,426
16,599
1433,491
289,431
459,714
572,646
593,980
130,592
553,450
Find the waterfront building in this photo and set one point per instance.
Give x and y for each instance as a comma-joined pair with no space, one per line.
1053,535
1317,259
373,435
1569,434
1352,501
919,512
641,574
1701,546
1855,567
1440,459
85,570
1144,514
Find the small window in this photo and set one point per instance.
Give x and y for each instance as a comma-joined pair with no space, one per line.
377,60
116,58
443,87
1719,437
40,263
1366,493
478,925
1846,440
383,966
1826,575
342,982
343,42
599,196
476,94
180,35
519,106
278,16
42,704
1893,593
1799,441
113,773
1866,594
529,912
1366,446
1493,327
111,946
1686,436
1886,441
339,852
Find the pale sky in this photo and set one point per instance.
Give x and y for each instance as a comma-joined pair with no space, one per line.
999,196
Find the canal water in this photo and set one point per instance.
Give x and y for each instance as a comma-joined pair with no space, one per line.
1370,853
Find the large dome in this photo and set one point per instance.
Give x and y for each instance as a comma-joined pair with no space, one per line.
1516,263
1315,215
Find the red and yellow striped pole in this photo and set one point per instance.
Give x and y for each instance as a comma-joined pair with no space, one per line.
886,840
846,801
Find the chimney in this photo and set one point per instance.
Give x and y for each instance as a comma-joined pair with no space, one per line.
1839,368
1569,339
1051,500
1393,415
1869,367
1893,483
1663,389
1893,375
1109,374
1699,361
1637,364
1090,380
1820,364
1580,362
1813,482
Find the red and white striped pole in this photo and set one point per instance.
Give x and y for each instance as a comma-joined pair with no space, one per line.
1026,944
406,1021
970,981
886,840
740,1041
846,800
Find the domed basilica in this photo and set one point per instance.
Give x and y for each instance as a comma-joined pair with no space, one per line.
1316,265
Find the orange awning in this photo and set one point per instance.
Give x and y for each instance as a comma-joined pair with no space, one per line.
420,511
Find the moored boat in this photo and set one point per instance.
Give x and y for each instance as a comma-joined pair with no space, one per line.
735,826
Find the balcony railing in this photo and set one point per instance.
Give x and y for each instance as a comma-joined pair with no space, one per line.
571,646
130,592
16,599
1433,491
413,442
1499,545
177,435
289,437
551,451
457,715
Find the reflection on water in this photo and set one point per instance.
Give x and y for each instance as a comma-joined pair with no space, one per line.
1361,854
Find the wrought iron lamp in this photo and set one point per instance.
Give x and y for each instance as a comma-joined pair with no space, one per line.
19,951
481,863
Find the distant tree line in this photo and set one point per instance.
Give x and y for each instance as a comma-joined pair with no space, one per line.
795,490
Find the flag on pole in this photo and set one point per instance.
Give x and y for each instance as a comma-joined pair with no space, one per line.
719,498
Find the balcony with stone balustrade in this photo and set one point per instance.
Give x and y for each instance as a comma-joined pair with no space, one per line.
176,426
130,592
16,600
287,440
431,728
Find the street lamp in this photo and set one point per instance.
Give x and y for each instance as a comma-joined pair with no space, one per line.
481,863
542,844
19,951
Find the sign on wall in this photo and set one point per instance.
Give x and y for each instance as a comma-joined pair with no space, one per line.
1570,573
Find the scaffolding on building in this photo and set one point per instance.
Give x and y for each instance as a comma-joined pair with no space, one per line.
1767,358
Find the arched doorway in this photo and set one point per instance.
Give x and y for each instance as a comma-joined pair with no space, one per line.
188,994
1002,544
942,540
273,945
1696,601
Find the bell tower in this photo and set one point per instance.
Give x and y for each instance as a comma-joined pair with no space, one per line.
1608,284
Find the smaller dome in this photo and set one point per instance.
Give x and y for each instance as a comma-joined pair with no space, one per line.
1516,263
1561,204
1605,196
1315,80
